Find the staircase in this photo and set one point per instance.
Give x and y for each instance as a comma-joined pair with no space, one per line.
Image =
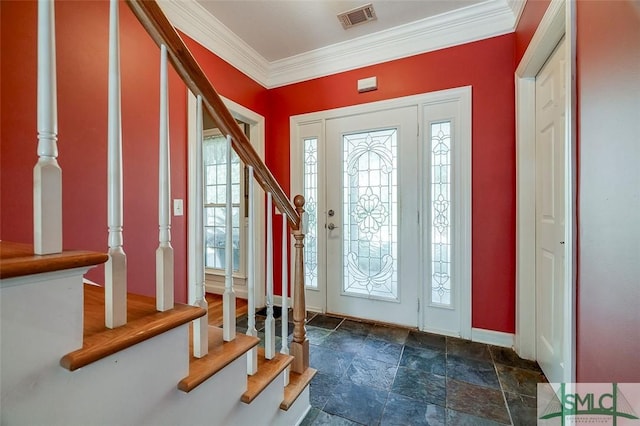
74,353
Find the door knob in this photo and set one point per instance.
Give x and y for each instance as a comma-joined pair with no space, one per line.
331,226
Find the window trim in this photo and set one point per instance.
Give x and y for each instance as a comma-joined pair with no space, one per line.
241,273
256,124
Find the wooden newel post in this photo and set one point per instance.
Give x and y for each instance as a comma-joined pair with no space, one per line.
300,344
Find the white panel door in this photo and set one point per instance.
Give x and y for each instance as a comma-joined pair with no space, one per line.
550,226
371,217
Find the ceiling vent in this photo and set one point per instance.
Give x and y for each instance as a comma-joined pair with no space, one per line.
357,16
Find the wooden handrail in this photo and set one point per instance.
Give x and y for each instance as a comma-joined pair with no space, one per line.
162,31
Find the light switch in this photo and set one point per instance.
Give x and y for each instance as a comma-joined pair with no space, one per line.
178,208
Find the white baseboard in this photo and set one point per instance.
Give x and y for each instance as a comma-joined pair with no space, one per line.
496,338
441,332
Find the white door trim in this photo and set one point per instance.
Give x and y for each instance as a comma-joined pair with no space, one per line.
256,123
463,96
558,20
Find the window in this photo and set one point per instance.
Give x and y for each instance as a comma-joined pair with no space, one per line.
215,177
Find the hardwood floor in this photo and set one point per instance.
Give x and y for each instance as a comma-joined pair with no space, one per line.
215,308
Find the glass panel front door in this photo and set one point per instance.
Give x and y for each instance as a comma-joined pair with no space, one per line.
371,216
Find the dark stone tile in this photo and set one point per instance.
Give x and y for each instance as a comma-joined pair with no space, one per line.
326,419
279,327
324,321
523,409
468,349
457,418
317,335
357,403
518,380
419,339
389,334
310,417
420,385
243,322
329,361
344,341
403,411
321,388
278,341
368,372
431,360
356,327
477,400
507,356
381,350
474,371
277,311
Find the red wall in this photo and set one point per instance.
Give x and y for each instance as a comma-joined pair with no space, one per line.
82,31
608,70
531,16
487,66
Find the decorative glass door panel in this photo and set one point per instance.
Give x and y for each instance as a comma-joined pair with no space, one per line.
311,210
370,211
371,216
441,213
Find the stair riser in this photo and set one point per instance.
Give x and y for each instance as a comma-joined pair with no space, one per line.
120,389
135,386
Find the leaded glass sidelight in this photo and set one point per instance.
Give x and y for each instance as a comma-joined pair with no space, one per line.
370,217
311,207
441,213
215,169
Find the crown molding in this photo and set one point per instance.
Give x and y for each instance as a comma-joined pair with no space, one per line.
476,22
195,21
517,6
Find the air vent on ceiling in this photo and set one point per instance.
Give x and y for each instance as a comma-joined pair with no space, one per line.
357,16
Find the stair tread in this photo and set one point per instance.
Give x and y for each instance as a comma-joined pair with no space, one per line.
143,322
220,355
17,259
297,384
268,370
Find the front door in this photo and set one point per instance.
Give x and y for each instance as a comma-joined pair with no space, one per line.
550,226
371,220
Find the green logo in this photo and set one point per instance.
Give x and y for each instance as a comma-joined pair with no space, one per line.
582,405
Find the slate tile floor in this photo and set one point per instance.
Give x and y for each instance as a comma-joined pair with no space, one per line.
378,375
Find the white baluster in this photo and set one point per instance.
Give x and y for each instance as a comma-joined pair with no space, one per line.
47,175
229,297
285,294
270,324
115,271
252,356
164,253
200,325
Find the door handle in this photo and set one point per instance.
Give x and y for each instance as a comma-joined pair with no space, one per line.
331,226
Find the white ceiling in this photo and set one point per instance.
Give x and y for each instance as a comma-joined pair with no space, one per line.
280,29
278,42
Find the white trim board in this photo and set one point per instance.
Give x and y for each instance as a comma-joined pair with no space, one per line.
479,21
257,138
557,21
491,337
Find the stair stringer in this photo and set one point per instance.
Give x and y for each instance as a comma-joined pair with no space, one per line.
135,386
